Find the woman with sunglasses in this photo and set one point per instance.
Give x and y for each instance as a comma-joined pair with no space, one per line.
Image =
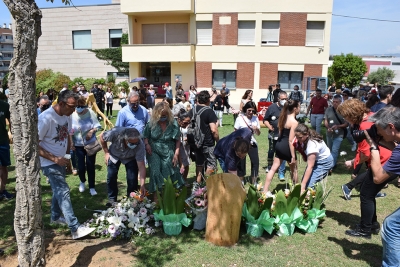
249,120
83,132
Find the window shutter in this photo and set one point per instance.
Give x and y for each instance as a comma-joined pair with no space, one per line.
315,33
204,32
270,33
116,33
153,34
246,33
177,33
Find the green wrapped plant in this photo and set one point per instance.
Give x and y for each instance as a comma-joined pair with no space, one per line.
172,212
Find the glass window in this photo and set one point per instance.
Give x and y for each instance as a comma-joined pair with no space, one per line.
315,33
224,76
246,32
115,38
270,33
204,32
82,39
288,79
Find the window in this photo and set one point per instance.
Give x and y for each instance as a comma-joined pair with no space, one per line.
170,33
270,33
82,39
204,32
118,74
246,33
288,79
315,33
224,76
115,38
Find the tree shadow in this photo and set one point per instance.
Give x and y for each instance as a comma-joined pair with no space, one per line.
371,254
343,218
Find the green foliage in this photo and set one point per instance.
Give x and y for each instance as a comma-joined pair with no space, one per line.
124,84
382,76
5,81
170,203
110,78
47,78
348,69
76,81
331,79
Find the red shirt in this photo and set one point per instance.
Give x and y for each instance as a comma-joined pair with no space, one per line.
318,105
363,147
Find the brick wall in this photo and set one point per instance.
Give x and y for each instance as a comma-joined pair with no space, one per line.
225,34
293,28
245,75
268,74
312,70
203,74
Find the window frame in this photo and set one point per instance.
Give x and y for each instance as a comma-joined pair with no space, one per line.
242,32
208,31
313,32
290,83
110,38
264,32
224,79
73,40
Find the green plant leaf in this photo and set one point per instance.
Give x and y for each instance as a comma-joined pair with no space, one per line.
180,201
280,203
252,202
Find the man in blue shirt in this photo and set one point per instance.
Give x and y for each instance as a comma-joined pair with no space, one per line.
44,103
385,94
133,115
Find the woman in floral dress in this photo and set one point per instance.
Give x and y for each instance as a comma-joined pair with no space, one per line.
162,142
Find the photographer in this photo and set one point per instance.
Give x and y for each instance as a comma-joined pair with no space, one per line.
354,111
387,121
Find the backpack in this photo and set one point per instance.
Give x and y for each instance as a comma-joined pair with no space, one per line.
195,136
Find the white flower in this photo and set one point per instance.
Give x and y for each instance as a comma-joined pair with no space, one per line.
112,229
269,194
143,211
148,206
131,225
343,153
287,191
101,218
130,212
157,224
112,219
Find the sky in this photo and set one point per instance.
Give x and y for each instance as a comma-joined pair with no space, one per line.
348,35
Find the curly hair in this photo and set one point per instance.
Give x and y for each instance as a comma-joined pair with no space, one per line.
353,109
156,114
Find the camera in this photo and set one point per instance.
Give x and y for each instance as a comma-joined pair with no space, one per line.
359,135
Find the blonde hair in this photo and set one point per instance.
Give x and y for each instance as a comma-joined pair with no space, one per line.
156,114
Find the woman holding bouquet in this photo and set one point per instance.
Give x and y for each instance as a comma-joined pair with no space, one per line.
318,156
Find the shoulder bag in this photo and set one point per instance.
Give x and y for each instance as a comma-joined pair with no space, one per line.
91,148
341,122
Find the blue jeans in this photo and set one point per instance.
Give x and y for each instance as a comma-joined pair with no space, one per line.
391,240
334,146
271,153
73,158
192,103
112,176
222,164
86,163
316,120
61,201
320,171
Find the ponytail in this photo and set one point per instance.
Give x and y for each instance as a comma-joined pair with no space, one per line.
288,108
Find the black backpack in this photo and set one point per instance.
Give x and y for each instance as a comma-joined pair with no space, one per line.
195,136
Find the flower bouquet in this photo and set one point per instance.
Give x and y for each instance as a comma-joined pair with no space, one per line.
198,203
256,211
312,208
131,216
172,212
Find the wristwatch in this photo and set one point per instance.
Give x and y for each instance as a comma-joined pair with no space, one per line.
373,148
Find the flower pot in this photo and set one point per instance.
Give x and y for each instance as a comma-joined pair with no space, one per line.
255,230
199,222
172,228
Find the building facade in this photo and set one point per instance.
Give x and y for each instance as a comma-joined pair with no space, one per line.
68,32
245,44
6,50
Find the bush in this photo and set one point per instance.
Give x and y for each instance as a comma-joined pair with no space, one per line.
47,78
124,84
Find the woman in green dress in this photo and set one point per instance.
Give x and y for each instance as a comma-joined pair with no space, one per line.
162,142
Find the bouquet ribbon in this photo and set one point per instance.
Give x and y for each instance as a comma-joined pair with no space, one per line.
310,224
181,218
287,223
264,220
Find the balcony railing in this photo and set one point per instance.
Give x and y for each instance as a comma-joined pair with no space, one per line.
3,68
158,53
7,41
6,49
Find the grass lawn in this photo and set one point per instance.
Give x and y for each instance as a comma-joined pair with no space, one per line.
329,246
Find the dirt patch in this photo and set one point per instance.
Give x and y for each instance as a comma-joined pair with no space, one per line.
63,251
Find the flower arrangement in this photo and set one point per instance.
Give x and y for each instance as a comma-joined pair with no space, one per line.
198,203
172,212
129,217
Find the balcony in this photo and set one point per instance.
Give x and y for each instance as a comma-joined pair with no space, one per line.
140,7
5,58
3,68
158,53
6,41
7,49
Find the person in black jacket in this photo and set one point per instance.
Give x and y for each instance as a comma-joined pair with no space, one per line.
219,103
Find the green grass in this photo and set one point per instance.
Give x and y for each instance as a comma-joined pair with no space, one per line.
329,246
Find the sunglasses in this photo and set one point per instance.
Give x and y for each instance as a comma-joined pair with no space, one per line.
81,106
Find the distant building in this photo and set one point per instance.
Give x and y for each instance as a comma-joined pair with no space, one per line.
6,50
68,32
245,44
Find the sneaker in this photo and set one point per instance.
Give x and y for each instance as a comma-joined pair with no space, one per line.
380,194
7,195
354,146
346,192
82,231
93,192
268,169
74,171
281,178
82,187
359,232
374,228
60,221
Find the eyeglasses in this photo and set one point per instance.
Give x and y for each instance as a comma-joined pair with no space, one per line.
70,106
250,110
81,106
283,99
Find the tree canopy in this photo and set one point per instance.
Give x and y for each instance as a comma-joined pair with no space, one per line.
348,69
382,76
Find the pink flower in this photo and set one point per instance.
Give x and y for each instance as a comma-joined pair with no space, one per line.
143,211
132,194
199,202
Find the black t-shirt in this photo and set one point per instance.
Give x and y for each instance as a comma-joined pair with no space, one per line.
219,103
98,95
272,116
208,116
276,95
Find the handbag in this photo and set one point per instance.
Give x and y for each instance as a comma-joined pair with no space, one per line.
91,148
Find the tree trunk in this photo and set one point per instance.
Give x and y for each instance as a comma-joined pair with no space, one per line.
28,224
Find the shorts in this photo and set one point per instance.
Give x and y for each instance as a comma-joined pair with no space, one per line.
184,152
205,155
5,158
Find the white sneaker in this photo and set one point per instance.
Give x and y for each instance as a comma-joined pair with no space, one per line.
354,147
82,231
93,192
60,221
81,187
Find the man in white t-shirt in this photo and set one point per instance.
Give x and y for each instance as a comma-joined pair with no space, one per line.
54,144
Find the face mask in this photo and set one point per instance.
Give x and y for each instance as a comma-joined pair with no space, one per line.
163,118
282,102
134,106
80,110
44,107
131,146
